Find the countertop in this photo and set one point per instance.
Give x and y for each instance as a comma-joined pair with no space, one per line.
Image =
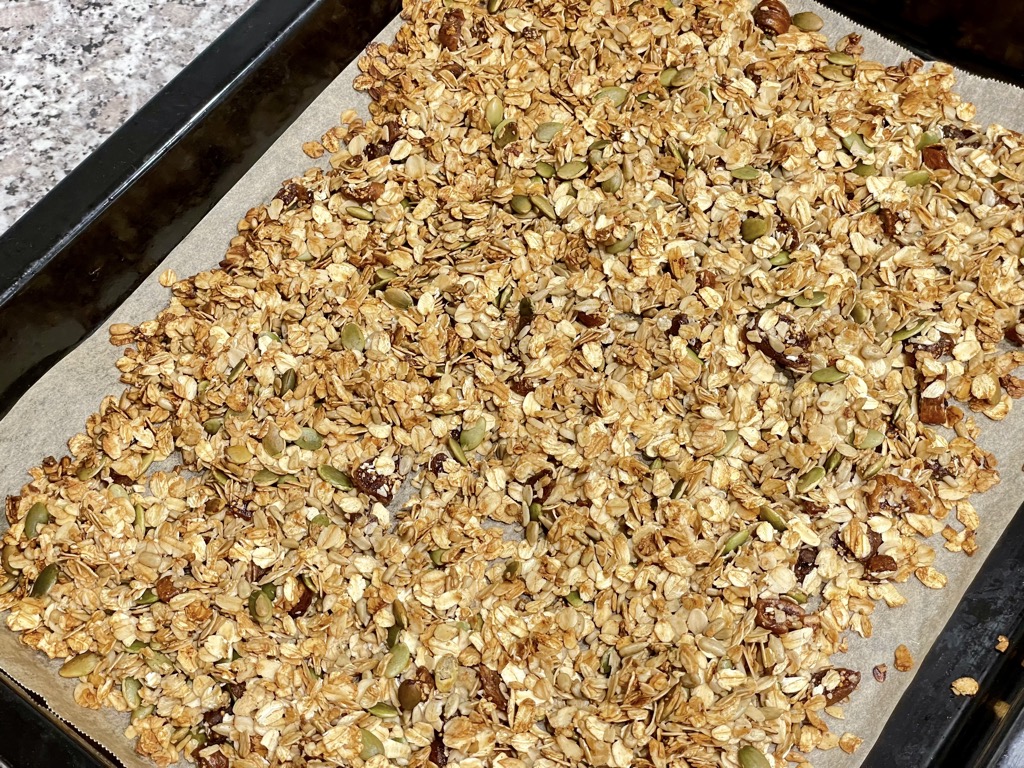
74,70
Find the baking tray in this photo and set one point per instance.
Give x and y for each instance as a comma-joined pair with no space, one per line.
88,244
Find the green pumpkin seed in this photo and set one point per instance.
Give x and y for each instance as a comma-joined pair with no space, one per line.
335,477
141,713
810,479
502,299
212,426
494,112
832,461
841,59
806,21
751,758
493,6
859,314
148,597
9,551
358,212
677,490
372,746
89,470
667,76
731,438
544,170
505,133
616,95
45,580
238,454
910,329
521,204
455,448
871,440
773,518
745,172
398,660
219,476
571,170
780,259
544,206
546,132
383,709
683,77
917,178
798,596
574,599
321,520
136,646
81,665
130,688
829,375
272,442
753,228
928,138
873,469
288,381
236,371
398,298
265,477
439,557
613,183
398,610
352,338
513,568
471,438
38,515
736,541
261,607
532,532
622,243
816,299
855,141
310,440
834,73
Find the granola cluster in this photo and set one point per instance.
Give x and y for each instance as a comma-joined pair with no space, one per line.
579,412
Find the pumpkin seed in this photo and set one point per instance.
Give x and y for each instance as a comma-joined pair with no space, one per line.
358,212
731,438
130,688
310,440
148,597
543,205
136,646
352,338
806,21
864,170
236,371
439,557
622,243
513,568
855,141
471,438
409,695
394,636
505,133
683,77
288,381
753,228
871,440
45,580
493,6
546,132
335,477
38,515
81,665
272,442
372,746
545,170
398,660
677,490
927,139
504,294
810,479
616,95
383,709
574,599
910,329
140,713
494,112
532,532
752,758
832,461
455,448
841,59
917,178
859,313
5,559
736,541
780,259
89,470
571,170
399,612
265,477
873,469
829,375
261,607
667,75
212,426
238,454
613,183
398,298
816,299
834,73
773,518
521,204
745,172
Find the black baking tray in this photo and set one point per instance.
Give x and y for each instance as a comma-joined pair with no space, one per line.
80,252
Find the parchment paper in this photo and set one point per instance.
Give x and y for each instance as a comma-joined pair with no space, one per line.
56,408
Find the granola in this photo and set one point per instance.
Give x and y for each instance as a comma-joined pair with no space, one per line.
578,412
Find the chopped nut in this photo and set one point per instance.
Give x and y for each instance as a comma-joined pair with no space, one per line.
965,686
1002,643
904,661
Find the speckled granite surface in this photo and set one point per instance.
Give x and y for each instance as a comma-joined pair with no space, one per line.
72,71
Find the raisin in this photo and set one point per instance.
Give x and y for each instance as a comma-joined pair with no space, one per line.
437,463
521,386
450,33
778,616
874,540
490,687
213,760
804,562
677,322
235,690
292,192
878,567
879,672
214,716
934,157
588,320
849,679
438,751
932,410
303,603
888,219
366,480
240,511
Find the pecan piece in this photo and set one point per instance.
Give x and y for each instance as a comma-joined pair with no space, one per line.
894,494
215,759
291,193
780,351
772,17
836,689
588,320
450,34
932,410
366,480
490,687
438,751
366,194
165,589
888,219
934,157
1013,385
778,616
880,567
805,561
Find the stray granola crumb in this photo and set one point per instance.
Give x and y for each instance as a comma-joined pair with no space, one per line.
880,672
313,149
168,278
904,661
849,742
1002,643
965,686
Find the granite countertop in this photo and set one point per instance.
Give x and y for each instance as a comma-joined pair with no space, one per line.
74,70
